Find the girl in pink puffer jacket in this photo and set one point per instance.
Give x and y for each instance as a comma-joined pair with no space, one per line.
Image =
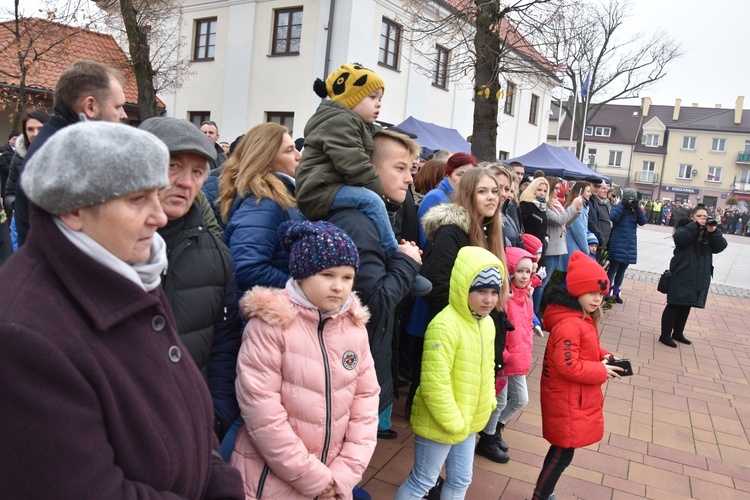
306,382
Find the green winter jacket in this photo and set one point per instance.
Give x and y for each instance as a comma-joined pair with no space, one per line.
337,151
456,391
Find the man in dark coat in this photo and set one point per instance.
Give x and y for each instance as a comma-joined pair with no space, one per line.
382,284
211,129
6,155
199,281
87,88
600,212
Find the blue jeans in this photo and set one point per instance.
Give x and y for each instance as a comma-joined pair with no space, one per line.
616,273
429,457
513,397
384,419
554,263
373,206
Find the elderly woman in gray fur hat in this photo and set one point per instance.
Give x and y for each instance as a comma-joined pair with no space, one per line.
99,396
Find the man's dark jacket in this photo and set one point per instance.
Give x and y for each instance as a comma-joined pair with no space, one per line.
61,118
600,212
381,285
6,155
201,288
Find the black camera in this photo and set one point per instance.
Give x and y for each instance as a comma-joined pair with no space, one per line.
633,203
711,222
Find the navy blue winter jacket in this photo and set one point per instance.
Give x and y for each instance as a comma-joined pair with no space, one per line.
252,235
623,242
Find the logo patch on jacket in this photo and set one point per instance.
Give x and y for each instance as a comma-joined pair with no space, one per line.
349,360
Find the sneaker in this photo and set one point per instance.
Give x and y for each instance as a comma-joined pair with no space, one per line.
387,434
487,448
421,286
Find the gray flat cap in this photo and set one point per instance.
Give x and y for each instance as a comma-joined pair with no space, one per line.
92,162
180,136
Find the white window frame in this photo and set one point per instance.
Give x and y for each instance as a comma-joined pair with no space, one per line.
688,142
685,172
648,171
745,176
615,159
589,131
603,131
652,141
718,145
591,157
716,172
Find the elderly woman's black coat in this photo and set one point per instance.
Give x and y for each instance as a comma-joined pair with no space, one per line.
100,399
692,265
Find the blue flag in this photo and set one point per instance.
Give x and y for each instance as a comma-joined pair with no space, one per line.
585,86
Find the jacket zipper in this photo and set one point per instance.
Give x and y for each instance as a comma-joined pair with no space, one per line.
326,366
262,481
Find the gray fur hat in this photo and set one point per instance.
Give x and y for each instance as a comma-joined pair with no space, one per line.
92,162
180,136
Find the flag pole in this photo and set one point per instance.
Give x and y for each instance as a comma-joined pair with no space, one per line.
559,114
573,120
585,90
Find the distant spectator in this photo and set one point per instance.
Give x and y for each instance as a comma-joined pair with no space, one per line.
456,166
428,178
212,132
623,245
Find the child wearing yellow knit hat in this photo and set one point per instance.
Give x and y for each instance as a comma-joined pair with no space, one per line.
335,171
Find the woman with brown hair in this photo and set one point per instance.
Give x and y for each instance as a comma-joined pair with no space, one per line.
473,219
575,236
428,178
256,195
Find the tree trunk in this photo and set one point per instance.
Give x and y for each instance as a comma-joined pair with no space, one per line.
140,57
487,44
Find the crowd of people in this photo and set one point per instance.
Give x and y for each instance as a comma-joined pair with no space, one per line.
192,320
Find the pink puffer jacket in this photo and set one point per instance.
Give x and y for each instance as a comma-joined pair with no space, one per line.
308,395
520,342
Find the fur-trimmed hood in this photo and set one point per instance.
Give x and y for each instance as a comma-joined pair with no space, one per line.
275,308
21,146
444,214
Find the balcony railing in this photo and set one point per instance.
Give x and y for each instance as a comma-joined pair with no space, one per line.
646,177
741,187
743,157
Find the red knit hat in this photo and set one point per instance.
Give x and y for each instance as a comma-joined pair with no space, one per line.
532,244
585,275
458,160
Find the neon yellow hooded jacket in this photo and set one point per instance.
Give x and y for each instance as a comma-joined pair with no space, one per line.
456,391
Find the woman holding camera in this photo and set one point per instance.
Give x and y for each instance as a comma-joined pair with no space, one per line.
626,216
696,240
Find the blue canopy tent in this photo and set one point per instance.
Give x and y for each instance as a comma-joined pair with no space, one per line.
554,160
432,137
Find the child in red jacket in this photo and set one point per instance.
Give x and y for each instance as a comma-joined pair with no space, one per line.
575,367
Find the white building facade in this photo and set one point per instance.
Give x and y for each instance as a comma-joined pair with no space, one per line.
256,60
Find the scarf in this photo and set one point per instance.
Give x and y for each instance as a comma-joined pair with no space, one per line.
146,275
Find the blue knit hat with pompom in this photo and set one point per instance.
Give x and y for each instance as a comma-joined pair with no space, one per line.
315,246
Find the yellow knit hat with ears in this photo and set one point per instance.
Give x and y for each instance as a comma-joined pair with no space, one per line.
349,84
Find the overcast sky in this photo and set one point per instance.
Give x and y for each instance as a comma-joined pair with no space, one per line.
715,67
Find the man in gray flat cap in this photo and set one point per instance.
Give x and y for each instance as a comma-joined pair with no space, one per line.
199,280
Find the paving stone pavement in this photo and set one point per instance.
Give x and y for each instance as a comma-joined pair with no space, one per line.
677,429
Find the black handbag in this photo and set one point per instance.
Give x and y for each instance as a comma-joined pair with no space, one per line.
664,280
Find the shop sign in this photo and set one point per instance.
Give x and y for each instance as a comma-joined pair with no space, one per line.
680,189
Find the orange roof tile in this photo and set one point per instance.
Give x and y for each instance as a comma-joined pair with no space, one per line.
68,44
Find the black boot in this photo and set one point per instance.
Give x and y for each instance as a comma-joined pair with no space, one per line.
667,341
499,433
487,447
681,339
